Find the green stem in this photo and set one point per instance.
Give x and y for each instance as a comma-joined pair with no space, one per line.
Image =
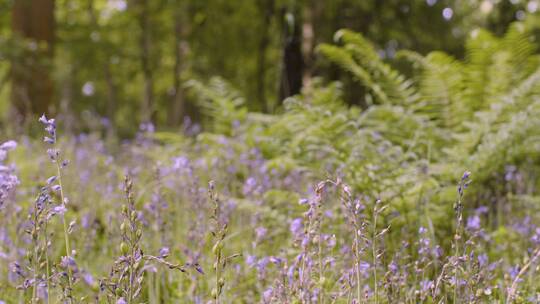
36,265
374,253
321,294
66,233
47,265
358,289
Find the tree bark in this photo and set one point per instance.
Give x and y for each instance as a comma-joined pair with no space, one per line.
145,45
181,49
292,60
32,86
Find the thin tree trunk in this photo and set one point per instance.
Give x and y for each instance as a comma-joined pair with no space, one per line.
181,48
145,45
112,98
267,10
32,86
311,13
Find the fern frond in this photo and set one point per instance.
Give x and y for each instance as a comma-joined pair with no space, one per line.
358,56
220,103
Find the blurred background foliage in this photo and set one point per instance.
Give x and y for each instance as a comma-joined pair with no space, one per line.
118,63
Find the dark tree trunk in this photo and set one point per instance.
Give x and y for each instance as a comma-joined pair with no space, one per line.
293,62
32,86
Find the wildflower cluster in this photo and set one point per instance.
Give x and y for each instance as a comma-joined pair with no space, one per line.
336,243
125,280
8,179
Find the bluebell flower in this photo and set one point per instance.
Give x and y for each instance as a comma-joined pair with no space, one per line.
121,301
60,209
296,226
267,295
164,252
8,145
473,222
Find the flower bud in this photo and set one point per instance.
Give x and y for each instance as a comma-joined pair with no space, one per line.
217,247
124,249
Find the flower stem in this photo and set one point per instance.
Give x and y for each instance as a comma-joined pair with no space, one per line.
66,233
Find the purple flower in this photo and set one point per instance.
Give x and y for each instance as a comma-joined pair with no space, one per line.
8,145
251,260
393,267
513,271
180,162
260,233
51,179
164,252
267,295
68,261
437,251
473,222
276,260
121,301
510,173
147,127
262,263
296,226
482,259
53,154
43,119
60,209
88,279
50,127
536,236
426,285
481,210
364,268
8,180
250,186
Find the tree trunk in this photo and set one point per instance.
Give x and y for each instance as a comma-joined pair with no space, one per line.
292,61
181,49
112,95
267,9
145,44
32,86
312,12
